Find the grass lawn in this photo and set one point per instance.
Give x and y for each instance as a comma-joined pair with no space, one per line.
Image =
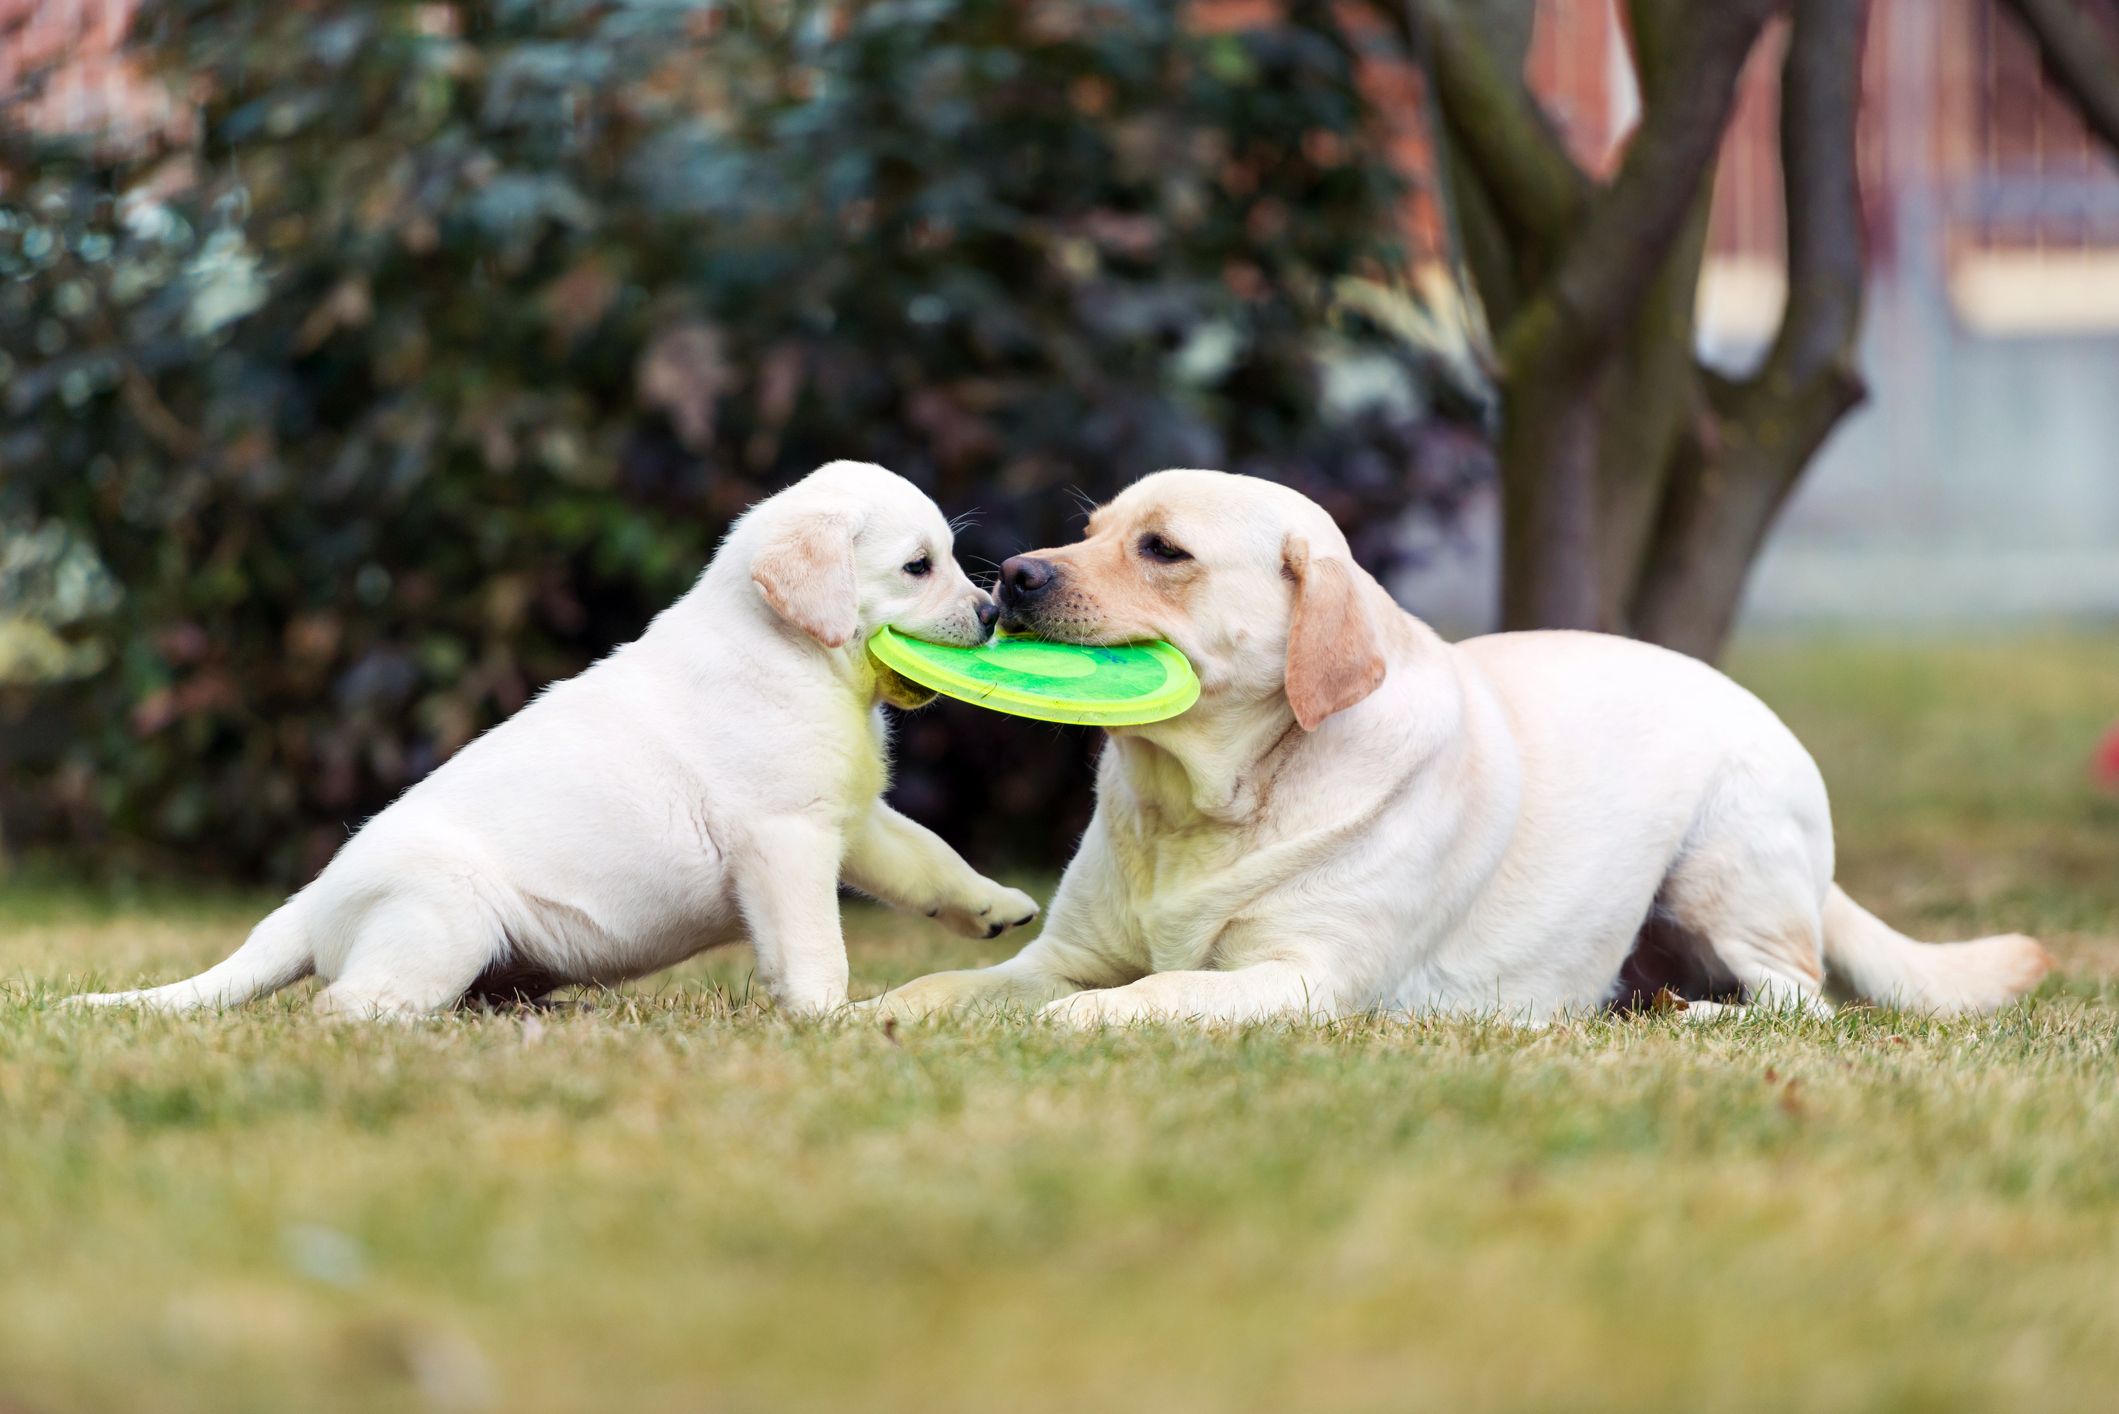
672,1199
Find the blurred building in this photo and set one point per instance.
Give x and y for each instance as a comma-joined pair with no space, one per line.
64,69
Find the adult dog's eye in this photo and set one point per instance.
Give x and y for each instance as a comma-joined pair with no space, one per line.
1157,548
919,568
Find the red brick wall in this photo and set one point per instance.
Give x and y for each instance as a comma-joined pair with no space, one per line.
1994,119
63,70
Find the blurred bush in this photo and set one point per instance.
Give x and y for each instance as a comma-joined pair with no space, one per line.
434,358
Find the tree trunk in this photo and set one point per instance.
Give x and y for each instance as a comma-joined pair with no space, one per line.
1715,525
2080,58
1548,464
1637,487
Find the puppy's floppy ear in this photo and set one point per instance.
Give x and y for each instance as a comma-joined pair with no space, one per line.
805,571
1335,656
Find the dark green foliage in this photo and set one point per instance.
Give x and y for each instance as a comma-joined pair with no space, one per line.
439,361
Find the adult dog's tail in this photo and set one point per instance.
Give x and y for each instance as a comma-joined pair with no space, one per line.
1880,964
276,954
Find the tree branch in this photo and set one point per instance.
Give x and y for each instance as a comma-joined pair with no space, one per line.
1812,366
1477,231
1770,425
1652,404
1536,187
1626,234
1650,24
2079,58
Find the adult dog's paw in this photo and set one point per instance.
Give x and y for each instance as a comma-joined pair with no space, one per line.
921,998
989,912
1088,1011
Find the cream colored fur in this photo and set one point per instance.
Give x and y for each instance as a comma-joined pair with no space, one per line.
714,780
1359,817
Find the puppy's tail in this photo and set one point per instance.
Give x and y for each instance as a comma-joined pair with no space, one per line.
1880,964
276,954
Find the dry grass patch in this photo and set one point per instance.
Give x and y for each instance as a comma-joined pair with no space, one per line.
672,1199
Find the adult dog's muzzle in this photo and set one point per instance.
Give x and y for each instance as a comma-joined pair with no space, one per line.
1025,580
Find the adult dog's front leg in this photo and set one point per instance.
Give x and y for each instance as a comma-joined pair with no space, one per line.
1261,992
905,864
1026,980
787,886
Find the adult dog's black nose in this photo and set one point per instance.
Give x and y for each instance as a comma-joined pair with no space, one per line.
989,614
1023,578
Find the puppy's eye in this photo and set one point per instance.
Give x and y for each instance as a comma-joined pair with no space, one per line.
919,568
1157,548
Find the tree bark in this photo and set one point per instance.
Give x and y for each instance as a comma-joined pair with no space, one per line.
1521,162
1548,466
1654,398
2080,57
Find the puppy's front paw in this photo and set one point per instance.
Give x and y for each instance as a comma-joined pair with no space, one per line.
989,912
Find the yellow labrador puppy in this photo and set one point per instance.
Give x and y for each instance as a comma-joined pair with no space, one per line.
1358,816
714,780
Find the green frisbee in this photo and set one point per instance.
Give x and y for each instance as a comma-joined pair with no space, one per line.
1122,686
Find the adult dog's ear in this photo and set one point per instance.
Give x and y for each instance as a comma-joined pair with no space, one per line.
805,571
1335,657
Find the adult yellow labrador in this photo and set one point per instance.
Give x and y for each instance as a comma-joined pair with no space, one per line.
1358,816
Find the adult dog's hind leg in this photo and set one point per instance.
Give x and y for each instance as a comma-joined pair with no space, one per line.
1748,888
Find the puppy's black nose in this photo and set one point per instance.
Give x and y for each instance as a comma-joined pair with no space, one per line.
1024,577
989,614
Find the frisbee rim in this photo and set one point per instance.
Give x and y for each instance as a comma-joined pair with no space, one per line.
1176,696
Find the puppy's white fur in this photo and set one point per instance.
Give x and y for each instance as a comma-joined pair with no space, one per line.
1358,816
714,780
